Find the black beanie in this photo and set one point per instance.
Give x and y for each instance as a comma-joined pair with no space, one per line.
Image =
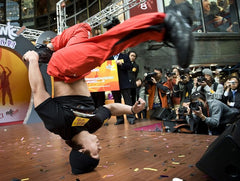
82,163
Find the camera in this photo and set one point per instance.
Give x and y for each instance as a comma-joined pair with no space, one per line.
169,74
182,110
201,79
111,23
149,76
195,105
182,77
231,82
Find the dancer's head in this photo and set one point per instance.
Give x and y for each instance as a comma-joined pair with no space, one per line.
84,156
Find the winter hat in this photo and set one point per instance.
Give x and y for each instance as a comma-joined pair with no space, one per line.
207,71
81,163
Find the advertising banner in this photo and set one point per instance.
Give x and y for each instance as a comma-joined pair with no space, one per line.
15,92
149,6
103,78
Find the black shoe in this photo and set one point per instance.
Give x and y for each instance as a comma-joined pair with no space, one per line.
179,33
119,122
44,53
132,122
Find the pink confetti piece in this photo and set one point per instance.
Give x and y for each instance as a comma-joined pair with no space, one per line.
170,152
105,176
22,138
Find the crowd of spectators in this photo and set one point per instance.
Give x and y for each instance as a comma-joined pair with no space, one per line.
207,105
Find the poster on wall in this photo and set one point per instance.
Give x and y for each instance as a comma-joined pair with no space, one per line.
146,7
15,92
103,78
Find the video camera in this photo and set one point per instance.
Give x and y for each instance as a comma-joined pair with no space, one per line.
148,76
169,74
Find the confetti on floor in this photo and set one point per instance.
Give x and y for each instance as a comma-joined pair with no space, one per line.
151,169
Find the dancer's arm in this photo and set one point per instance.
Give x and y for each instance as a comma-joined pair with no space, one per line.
35,78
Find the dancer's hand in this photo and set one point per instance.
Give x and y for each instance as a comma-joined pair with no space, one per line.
138,106
30,56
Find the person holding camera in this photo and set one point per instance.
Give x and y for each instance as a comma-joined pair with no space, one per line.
183,86
157,91
208,86
209,116
231,96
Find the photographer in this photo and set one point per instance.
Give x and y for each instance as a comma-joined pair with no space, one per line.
209,115
156,90
208,86
183,86
231,96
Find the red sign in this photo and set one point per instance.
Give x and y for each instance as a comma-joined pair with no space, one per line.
149,6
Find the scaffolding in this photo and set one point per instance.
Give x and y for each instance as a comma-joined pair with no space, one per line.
30,34
113,10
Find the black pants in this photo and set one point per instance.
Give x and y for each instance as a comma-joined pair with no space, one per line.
126,93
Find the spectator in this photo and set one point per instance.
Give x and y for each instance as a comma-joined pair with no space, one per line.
214,22
157,92
208,86
175,93
123,66
133,73
231,96
169,84
184,85
209,114
139,84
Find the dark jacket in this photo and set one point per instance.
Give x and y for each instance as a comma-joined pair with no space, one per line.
133,73
230,98
123,71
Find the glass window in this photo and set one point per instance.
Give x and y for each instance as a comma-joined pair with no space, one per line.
70,10
28,22
41,7
27,8
52,5
93,8
2,13
12,10
80,5
82,17
220,15
211,15
70,22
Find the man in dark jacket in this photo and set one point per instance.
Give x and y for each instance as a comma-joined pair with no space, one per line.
133,73
123,65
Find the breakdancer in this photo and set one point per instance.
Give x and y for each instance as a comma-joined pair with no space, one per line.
71,113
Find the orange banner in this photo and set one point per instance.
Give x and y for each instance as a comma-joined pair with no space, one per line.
103,78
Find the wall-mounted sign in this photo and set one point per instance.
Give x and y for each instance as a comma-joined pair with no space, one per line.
147,7
15,92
